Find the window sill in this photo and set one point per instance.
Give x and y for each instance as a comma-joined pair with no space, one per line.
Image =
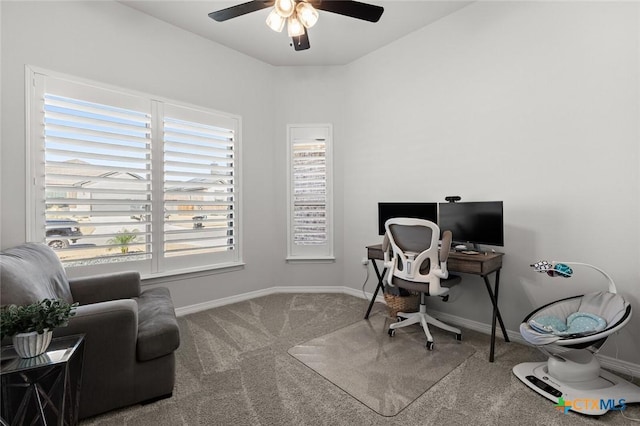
203,271
328,259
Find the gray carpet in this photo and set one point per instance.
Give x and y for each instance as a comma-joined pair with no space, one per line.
385,374
233,369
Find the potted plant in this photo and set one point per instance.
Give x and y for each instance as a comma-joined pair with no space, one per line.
31,326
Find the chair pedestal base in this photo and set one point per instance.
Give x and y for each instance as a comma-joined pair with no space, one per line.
424,319
576,365
592,397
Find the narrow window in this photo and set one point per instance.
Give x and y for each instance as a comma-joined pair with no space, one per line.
310,212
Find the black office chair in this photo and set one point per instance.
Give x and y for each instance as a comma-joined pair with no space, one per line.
416,263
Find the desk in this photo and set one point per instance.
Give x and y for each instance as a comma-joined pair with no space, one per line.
44,389
476,264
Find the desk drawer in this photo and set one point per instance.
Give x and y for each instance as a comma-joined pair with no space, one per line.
459,265
479,264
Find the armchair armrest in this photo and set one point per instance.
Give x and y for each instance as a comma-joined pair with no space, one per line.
115,323
110,334
101,288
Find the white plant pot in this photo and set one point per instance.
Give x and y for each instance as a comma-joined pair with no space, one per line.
29,345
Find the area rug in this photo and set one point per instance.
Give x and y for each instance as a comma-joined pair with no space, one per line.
384,373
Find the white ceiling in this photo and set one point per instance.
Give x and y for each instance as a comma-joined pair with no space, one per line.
335,39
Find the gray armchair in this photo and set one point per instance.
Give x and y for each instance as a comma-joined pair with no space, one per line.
130,335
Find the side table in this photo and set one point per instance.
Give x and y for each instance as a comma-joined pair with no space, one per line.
44,389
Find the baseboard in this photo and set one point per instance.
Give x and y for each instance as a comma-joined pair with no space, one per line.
476,326
619,366
607,362
198,307
362,294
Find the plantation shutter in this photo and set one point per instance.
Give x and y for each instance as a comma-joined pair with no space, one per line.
200,184
120,180
310,192
97,172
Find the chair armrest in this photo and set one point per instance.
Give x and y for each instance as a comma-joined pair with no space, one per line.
386,245
110,329
111,323
110,337
101,288
445,247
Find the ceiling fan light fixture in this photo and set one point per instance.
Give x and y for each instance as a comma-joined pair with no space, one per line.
307,14
284,8
299,15
275,21
294,26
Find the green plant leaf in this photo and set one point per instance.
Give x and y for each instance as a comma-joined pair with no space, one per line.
39,316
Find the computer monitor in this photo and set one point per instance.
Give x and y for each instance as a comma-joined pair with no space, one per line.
473,222
386,211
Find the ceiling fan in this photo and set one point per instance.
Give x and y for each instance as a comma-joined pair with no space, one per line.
300,14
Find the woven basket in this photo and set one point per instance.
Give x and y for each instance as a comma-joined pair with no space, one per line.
397,304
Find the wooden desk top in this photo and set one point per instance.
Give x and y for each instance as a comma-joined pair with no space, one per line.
478,264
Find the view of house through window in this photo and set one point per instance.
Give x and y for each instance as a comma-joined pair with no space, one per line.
97,180
119,177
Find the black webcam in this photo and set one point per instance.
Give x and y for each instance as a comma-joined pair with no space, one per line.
453,198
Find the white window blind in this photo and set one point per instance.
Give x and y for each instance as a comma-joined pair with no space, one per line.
309,158
310,203
98,172
199,188
120,180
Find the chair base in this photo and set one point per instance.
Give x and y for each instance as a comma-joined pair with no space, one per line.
593,396
424,319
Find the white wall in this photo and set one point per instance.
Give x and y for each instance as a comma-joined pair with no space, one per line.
308,95
535,104
111,43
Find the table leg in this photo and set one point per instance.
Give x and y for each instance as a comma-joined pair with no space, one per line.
39,405
378,287
493,295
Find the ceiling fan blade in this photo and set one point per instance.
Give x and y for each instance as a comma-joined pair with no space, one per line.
239,10
353,9
301,42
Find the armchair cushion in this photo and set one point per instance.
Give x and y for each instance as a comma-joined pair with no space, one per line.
32,272
158,332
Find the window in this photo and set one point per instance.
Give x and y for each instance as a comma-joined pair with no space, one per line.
310,212
120,180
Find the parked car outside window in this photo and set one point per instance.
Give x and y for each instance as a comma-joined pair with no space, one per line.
60,232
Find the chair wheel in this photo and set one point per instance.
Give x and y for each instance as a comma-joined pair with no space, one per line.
458,337
430,346
399,319
392,332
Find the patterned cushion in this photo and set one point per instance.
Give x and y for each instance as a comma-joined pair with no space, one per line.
578,323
